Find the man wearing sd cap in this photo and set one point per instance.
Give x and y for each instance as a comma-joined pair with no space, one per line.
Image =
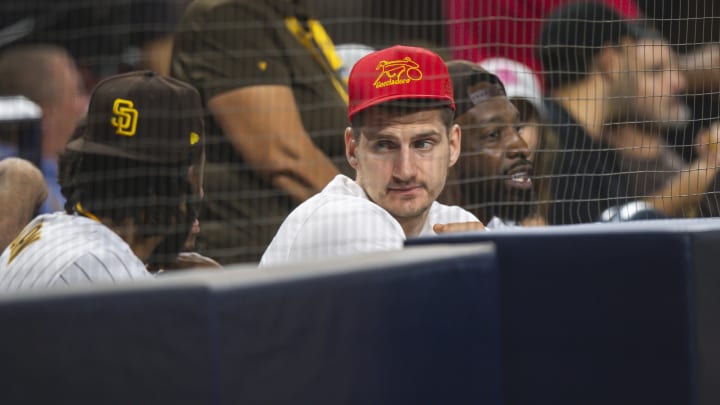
401,143
125,177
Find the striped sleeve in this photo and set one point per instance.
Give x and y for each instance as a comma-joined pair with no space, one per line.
102,267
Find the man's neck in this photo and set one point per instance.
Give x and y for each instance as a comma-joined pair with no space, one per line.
587,102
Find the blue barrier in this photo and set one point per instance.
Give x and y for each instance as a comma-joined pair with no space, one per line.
608,313
419,325
115,345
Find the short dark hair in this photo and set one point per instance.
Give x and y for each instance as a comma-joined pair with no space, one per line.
574,34
403,107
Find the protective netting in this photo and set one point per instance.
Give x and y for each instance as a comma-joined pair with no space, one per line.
617,100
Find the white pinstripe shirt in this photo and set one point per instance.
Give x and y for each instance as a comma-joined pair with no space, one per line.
61,249
341,221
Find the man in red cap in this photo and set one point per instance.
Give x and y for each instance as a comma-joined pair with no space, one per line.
401,143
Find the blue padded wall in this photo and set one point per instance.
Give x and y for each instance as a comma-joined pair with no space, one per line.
110,346
419,325
422,331
608,313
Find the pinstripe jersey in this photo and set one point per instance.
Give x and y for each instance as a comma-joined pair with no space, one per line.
61,249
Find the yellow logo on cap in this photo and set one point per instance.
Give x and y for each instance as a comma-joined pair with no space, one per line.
194,138
262,65
396,72
125,119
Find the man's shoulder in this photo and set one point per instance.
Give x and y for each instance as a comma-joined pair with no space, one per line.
339,221
62,234
340,190
45,230
342,203
67,249
76,228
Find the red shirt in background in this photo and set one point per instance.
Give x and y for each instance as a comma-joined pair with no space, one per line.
481,29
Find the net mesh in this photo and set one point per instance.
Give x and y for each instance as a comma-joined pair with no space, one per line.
617,123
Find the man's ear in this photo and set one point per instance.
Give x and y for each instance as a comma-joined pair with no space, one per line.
350,148
454,139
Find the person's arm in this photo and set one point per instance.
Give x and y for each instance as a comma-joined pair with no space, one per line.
22,191
263,124
683,192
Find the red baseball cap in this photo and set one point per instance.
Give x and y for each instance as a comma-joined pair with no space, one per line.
398,73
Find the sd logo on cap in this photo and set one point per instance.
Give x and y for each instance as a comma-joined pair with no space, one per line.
142,116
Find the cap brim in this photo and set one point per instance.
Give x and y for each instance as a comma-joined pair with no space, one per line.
85,146
401,100
420,103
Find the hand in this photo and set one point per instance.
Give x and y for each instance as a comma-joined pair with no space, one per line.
191,260
458,227
707,143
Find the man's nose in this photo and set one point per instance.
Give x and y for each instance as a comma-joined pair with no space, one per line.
405,168
516,147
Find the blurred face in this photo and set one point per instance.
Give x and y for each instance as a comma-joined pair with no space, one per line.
402,161
652,84
494,151
62,116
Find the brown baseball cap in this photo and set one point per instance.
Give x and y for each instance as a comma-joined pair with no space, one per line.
142,116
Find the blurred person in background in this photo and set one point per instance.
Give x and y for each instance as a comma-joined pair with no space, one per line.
349,54
47,75
509,29
104,37
613,86
269,78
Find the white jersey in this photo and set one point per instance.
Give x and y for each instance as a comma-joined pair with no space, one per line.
341,220
61,249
